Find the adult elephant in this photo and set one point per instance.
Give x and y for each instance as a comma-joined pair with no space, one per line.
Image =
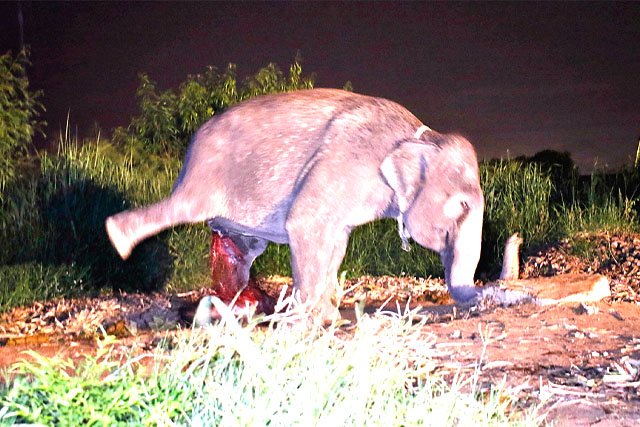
304,168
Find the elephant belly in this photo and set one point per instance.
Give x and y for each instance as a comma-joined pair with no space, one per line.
271,228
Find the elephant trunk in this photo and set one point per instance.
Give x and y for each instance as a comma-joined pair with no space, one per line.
460,258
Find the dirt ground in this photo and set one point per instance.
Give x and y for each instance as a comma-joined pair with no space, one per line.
581,360
584,362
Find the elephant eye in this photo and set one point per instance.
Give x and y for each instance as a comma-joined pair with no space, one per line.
464,214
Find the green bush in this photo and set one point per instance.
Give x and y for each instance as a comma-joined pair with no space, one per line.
19,111
168,120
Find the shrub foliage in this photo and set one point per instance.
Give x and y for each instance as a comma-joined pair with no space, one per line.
19,111
168,119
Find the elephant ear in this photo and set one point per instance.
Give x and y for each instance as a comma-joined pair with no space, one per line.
405,170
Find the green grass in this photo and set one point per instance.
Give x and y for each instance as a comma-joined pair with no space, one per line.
55,217
281,375
516,200
374,249
22,284
603,212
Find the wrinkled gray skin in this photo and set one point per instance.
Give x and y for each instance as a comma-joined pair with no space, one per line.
304,168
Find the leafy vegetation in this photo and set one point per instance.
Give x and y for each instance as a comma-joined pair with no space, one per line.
19,111
168,120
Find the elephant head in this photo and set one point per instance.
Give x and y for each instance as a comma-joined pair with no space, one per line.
437,189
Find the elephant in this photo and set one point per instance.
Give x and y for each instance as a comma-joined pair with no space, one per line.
304,168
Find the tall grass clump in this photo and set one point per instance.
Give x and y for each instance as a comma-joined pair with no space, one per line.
374,249
602,206
55,219
81,186
516,200
281,375
95,181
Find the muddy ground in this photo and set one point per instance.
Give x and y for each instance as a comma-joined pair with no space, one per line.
581,360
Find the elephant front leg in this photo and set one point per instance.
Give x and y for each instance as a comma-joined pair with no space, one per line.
230,261
315,261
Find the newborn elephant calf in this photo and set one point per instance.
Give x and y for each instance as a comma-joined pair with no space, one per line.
304,168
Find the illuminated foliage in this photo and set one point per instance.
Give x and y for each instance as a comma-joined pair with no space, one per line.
168,119
19,111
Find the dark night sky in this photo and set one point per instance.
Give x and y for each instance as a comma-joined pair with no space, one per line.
521,77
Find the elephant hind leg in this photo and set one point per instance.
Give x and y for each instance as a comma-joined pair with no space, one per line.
127,229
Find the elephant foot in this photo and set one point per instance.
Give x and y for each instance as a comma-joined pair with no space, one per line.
465,295
226,261
325,314
120,241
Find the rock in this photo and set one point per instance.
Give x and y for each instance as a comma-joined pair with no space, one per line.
511,260
575,414
587,309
